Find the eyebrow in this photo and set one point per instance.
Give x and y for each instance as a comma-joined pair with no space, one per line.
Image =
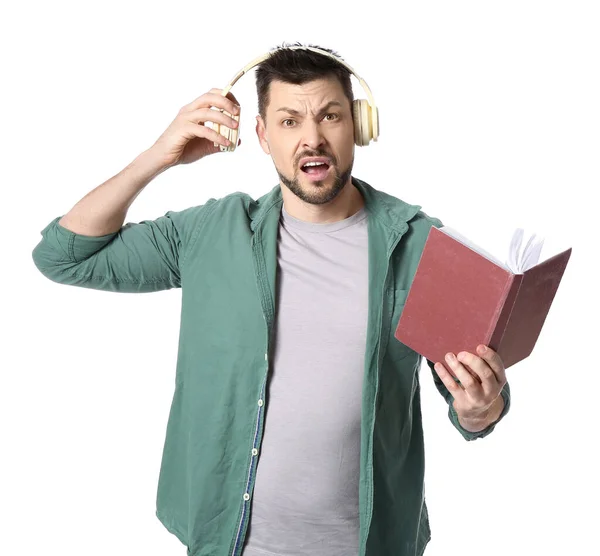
321,111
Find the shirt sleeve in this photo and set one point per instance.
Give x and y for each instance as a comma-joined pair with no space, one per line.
141,257
453,416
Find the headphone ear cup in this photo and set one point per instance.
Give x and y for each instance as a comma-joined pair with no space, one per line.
357,122
375,122
228,133
363,129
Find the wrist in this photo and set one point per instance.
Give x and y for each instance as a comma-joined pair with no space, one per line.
150,164
485,419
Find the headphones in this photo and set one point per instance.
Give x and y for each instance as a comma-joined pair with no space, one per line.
365,114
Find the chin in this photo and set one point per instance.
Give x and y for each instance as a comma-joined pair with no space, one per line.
317,192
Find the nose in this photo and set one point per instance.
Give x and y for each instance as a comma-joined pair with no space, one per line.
313,136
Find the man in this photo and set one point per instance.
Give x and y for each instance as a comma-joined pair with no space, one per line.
289,302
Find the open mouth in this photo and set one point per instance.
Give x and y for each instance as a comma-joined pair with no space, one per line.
316,170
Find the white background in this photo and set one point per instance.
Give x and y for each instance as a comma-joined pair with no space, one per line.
489,120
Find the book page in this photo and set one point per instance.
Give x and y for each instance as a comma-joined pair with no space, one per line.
523,260
518,260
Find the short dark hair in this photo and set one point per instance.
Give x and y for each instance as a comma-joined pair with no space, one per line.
298,66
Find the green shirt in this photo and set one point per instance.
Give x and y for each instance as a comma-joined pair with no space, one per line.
223,256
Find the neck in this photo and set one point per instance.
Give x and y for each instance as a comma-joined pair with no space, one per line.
348,202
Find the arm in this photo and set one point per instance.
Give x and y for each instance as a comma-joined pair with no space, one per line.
89,246
103,210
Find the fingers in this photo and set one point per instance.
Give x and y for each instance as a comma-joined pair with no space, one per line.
216,99
469,380
229,95
481,379
494,361
453,387
209,115
488,365
207,133
480,368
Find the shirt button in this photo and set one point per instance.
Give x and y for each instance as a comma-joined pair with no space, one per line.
246,496
260,402
266,356
254,451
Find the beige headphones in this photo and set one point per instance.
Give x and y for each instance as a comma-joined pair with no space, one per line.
365,113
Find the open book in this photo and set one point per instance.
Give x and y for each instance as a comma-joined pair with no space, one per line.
520,257
462,296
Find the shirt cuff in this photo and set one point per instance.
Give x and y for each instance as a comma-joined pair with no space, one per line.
73,247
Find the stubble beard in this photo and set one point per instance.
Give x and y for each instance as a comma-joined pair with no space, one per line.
317,192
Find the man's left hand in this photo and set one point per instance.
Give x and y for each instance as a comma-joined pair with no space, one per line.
481,381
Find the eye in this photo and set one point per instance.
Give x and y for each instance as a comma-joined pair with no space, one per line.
335,117
288,120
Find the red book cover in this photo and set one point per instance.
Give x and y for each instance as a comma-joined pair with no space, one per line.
459,299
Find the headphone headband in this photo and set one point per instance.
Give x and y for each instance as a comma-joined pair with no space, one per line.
365,115
262,58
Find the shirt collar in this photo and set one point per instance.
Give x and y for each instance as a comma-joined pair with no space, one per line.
391,211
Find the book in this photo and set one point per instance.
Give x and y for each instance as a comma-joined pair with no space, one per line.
462,296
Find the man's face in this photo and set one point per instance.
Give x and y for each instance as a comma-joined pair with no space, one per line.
313,120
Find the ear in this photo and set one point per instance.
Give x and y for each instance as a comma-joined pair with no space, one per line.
261,131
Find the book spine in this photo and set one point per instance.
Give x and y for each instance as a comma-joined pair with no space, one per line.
489,333
507,306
